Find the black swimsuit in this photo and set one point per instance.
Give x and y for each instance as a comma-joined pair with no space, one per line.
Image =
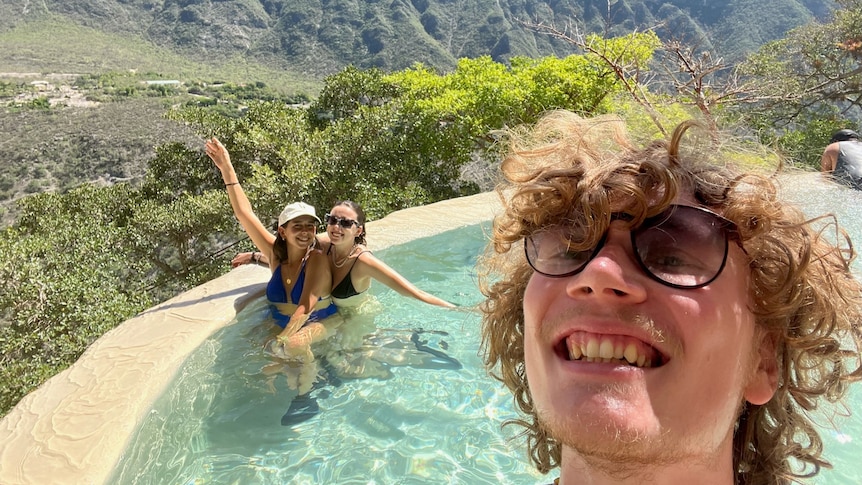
345,288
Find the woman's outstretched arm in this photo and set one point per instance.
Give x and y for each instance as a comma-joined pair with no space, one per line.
375,268
259,235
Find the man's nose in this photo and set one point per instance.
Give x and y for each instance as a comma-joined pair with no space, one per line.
612,274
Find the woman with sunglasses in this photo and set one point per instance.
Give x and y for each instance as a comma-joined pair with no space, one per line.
352,265
301,280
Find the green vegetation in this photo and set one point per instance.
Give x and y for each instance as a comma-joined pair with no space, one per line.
60,292
814,85
57,146
56,44
306,41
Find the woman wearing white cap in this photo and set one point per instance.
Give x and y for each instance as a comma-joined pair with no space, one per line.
351,263
301,279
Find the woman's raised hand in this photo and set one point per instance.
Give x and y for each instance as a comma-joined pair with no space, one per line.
218,153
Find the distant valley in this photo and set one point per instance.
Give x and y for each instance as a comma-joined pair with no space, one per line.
86,113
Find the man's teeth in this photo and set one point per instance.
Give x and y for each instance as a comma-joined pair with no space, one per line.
605,350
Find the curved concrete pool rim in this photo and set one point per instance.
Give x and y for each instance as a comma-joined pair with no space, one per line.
74,427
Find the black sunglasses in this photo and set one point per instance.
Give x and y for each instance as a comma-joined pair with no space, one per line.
683,247
340,221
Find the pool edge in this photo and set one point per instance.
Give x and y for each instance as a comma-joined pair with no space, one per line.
75,427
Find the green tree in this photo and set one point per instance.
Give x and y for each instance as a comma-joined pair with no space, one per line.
66,282
348,90
403,138
815,63
808,84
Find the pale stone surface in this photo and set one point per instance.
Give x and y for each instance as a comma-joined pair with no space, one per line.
74,428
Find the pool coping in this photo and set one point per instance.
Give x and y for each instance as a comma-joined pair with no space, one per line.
75,427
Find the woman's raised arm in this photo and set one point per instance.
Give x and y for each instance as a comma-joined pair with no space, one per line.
259,235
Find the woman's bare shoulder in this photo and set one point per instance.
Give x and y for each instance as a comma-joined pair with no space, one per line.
362,253
316,256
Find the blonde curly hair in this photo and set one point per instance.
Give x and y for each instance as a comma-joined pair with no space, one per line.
804,295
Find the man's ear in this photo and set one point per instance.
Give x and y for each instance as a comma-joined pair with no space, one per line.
763,381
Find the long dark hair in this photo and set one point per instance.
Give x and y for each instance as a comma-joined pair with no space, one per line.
279,246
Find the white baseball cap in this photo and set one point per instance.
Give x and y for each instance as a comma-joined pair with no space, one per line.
294,210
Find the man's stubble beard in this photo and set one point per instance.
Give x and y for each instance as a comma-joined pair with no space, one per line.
619,453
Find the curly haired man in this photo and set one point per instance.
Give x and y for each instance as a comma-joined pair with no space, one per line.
660,316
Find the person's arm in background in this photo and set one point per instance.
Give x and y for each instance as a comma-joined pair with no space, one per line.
249,257
829,158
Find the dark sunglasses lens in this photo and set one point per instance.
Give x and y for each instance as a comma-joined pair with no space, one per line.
334,220
552,253
683,247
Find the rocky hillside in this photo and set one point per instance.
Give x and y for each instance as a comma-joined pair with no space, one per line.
108,126
318,37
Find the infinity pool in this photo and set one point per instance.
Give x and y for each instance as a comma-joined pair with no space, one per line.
421,411
427,413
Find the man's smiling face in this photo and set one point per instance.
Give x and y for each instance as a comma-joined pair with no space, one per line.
620,365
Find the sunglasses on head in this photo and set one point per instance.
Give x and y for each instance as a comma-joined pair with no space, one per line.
339,221
682,247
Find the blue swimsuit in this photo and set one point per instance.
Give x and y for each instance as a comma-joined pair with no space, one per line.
276,293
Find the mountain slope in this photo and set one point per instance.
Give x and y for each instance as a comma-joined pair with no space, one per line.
314,38
288,46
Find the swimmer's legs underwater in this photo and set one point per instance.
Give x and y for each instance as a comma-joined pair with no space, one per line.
304,406
379,353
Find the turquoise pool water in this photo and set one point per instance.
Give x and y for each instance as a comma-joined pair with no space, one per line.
430,415
433,415
843,445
